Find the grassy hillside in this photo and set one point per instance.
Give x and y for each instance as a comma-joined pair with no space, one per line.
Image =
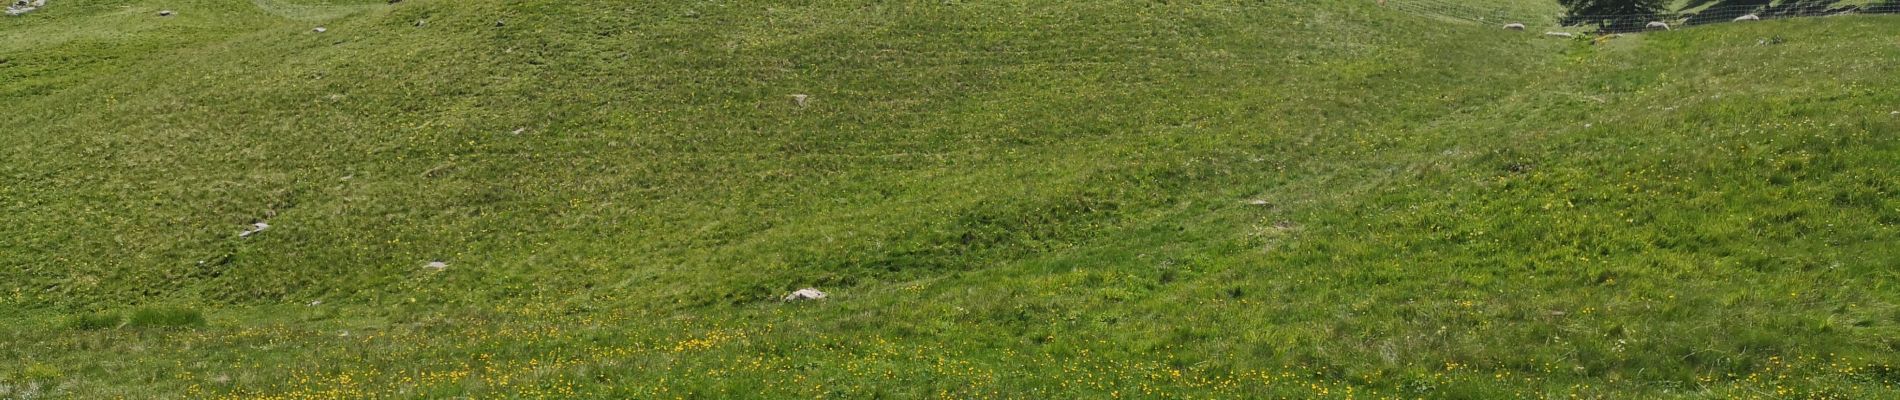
1214,199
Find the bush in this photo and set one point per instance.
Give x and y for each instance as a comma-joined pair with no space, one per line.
164,317
94,321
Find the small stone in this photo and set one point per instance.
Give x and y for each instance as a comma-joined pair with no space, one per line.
320,30
436,265
800,99
1258,202
500,23
255,228
314,303
520,130
165,13
805,294
421,22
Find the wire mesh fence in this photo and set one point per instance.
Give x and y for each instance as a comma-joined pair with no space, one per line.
1688,16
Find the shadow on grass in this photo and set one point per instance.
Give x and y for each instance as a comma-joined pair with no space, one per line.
1887,7
1714,11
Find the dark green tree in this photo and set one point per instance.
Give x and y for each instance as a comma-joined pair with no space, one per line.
1613,15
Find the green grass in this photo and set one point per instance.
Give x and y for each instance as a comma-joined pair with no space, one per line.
96,321
1004,200
165,317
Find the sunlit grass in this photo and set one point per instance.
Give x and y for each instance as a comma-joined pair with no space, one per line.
1004,200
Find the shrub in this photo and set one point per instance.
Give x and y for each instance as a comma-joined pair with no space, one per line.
164,317
94,321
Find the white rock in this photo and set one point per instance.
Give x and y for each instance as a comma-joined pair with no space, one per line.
1515,27
255,228
1559,34
800,99
21,7
165,13
1658,25
314,303
320,30
1749,17
805,294
436,265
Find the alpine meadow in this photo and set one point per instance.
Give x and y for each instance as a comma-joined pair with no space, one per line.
1010,199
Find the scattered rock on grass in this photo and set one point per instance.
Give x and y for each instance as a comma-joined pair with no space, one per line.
800,99
436,265
1658,25
1565,35
1749,17
165,13
805,294
1515,27
320,30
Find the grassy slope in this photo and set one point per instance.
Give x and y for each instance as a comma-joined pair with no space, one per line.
1006,199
